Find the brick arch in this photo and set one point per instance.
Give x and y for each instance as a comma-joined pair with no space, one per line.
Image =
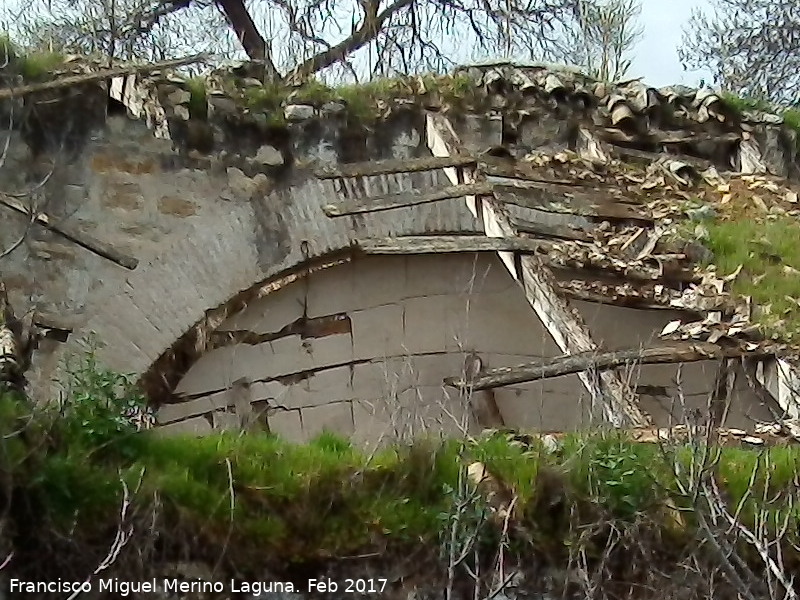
362,349
142,315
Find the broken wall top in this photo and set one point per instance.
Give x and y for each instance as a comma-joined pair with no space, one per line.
662,153
200,113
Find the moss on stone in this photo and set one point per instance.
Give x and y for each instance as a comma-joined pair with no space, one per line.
313,92
364,102
198,101
266,97
791,116
39,66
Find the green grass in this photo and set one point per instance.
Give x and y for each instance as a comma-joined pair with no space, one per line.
314,92
362,101
327,498
39,66
769,254
258,495
305,501
791,116
198,102
8,50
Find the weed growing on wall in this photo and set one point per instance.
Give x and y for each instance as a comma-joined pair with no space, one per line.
101,408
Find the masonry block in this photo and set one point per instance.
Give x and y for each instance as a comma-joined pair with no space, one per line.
226,421
330,291
192,408
426,324
334,349
335,418
281,357
372,427
556,404
287,425
377,332
379,280
195,426
215,370
381,378
271,313
500,323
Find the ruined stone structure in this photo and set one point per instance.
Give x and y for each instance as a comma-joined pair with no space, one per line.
316,274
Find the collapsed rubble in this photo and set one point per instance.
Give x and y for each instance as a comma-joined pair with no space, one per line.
602,190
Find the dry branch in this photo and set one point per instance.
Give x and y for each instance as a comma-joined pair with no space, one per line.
385,167
597,360
558,198
435,244
62,82
403,199
371,25
246,31
75,235
546,230
525,171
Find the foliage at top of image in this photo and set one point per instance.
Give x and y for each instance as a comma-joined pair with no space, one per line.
748,45
602,43
304,39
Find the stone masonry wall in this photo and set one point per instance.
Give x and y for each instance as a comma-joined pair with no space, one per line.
218,214
382,333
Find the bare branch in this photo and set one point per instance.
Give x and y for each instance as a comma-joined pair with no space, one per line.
750,47
24,90
247,33
601,39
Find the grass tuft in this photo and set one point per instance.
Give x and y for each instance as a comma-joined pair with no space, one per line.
8,51
39,66
791,116
198,102
770,258
257,495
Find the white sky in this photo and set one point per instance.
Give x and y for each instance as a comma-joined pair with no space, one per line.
656,57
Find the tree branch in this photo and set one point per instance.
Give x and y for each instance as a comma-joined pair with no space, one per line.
371,25
24,90
577,363
253,42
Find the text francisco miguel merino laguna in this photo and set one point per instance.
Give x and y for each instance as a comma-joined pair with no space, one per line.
123,588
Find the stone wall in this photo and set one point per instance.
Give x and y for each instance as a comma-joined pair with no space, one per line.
146,197
362,349
215,209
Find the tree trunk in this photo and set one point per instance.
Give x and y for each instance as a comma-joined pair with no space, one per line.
15,347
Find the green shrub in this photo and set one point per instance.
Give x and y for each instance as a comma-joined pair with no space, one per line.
100,408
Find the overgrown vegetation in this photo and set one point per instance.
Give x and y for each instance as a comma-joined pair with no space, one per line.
33,66
252,495
791,116
757,245
198,103
769,257
362,102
